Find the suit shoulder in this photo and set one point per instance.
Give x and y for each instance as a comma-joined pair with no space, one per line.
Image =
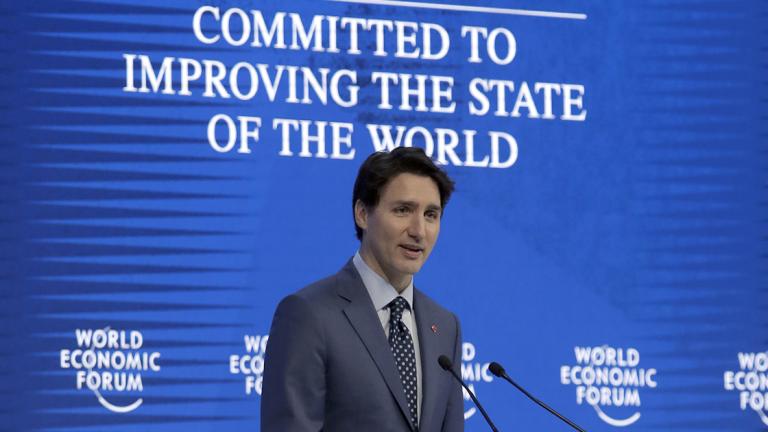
330,293
318,290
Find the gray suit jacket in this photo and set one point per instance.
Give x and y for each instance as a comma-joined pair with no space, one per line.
329,367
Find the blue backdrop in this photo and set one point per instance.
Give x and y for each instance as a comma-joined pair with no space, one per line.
155,209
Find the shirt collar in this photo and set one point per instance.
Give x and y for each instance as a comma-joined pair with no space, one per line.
381,292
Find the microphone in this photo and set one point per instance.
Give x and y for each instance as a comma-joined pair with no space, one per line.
447,364
499,371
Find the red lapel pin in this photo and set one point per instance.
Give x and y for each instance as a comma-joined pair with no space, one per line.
434,328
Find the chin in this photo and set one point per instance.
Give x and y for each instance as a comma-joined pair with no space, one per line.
411,268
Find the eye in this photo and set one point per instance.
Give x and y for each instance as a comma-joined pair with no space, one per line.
432,215
401,210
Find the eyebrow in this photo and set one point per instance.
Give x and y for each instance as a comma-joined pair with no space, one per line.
415,204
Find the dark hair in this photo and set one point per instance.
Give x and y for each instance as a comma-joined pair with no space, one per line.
381,167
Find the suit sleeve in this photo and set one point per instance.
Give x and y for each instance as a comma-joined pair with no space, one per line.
454,415
293,390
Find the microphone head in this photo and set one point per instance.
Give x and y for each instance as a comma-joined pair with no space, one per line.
497,369
445,362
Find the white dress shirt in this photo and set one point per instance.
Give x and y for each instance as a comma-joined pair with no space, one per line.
382,293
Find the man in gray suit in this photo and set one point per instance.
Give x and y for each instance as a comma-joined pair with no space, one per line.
358,351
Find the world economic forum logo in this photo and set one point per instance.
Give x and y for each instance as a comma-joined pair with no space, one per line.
751,381
250,364
472,372
110,363
609,380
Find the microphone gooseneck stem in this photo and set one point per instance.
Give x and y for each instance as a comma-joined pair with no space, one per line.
474,399
541,404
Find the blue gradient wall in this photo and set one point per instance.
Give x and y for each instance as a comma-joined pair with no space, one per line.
630,242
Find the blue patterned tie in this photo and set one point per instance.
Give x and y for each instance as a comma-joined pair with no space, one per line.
402,347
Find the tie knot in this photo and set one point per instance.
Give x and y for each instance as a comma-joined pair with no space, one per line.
397,306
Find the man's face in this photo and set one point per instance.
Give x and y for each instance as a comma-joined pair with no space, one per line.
402,229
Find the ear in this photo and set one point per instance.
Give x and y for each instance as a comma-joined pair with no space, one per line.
361,215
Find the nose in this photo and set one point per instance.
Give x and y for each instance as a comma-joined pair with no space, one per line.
417,227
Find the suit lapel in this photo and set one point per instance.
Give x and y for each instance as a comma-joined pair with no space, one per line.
363,318
429,354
